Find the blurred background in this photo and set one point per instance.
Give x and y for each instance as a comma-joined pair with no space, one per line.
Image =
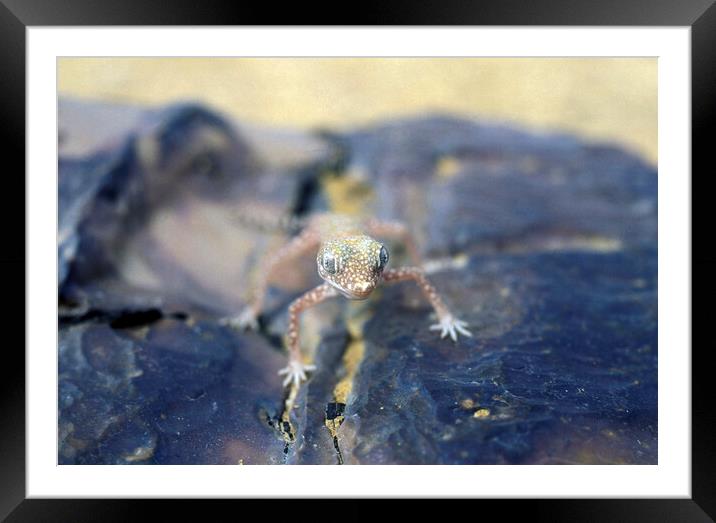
605,99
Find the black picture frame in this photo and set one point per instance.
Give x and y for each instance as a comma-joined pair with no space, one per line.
17,15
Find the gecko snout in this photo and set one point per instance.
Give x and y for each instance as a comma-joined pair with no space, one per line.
361,290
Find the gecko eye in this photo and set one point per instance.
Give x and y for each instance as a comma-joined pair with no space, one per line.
382,257
329,263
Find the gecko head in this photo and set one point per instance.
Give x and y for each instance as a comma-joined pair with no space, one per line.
352,264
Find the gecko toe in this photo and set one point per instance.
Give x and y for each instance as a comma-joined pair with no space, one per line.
450,326
246,320
295,373
464,332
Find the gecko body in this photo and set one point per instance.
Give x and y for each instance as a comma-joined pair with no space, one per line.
351,263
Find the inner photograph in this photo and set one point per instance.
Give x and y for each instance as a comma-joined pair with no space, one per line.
345,261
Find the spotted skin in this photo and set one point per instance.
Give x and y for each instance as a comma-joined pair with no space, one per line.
351,263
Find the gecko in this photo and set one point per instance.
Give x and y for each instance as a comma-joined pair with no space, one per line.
351,263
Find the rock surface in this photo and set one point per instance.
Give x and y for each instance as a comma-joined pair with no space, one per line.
546,245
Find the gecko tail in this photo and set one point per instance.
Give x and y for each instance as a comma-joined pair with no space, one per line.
269,220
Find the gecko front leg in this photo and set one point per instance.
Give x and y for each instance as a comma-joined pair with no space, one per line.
448,324
297,246
296,370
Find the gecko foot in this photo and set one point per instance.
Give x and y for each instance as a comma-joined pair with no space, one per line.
295,372
449,325
247,320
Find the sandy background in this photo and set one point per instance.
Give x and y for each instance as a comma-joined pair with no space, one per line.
604,99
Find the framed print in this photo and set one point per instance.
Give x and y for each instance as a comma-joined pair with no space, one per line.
450,259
